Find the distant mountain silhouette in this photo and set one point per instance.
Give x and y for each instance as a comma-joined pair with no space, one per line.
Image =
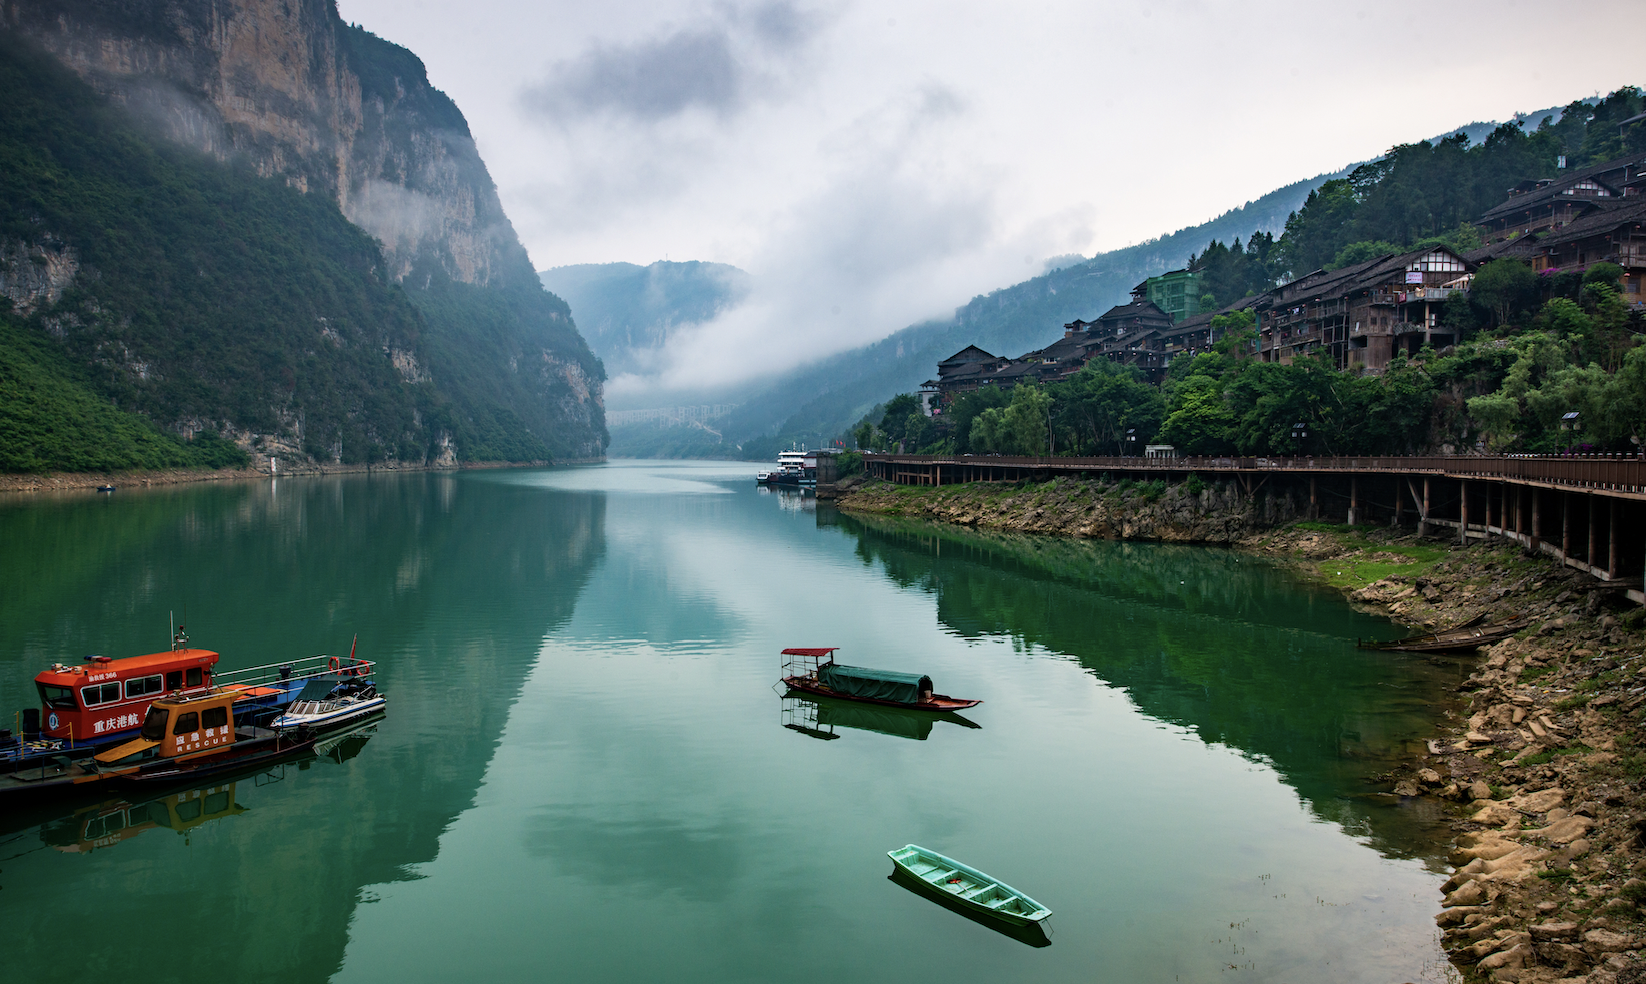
623,308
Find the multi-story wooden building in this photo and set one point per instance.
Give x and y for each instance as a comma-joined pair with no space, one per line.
1362,315
1536,208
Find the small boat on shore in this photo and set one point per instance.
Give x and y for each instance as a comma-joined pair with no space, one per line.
1465,638
983,894
814,671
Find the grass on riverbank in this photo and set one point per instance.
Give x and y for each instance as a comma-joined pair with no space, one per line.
1366,559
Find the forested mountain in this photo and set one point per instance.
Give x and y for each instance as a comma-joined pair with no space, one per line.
624,309
247,218
817,402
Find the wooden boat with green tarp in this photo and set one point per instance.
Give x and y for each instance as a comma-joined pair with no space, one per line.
983,894
814,671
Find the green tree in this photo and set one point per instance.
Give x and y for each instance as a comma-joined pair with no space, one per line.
1095,407
1505,287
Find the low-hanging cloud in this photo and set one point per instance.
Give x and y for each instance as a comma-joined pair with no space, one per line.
897,235
714,65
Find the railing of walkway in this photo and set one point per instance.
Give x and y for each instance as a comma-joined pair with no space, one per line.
1609,472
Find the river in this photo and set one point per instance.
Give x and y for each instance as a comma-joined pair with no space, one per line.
585,773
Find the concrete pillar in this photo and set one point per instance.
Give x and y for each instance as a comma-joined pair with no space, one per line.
1423,520
1590,510
1611,538
1314,511
1354,500
1565,525
1400,501
1536,531
1463,511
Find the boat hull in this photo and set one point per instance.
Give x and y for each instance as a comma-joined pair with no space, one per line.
939,703
55,779
983,894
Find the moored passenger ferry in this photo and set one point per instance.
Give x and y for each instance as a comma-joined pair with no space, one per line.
103,699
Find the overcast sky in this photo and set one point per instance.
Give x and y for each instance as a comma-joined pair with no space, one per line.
876,164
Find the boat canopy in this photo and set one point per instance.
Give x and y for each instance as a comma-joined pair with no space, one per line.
858,681
319,687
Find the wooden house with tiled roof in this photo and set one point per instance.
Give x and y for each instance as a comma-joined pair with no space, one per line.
1548,204
1362,315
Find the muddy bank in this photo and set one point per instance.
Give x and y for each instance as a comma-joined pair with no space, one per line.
1540,766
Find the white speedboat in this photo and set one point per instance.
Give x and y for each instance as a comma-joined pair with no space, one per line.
331,703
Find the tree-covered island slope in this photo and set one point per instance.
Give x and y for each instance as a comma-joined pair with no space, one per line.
1534,347
247,228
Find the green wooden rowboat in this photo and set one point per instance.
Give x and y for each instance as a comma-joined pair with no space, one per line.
965,884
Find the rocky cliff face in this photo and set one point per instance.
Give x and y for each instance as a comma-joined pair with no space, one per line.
331,109
303,96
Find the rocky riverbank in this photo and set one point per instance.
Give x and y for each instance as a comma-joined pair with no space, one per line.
70,481
1541,766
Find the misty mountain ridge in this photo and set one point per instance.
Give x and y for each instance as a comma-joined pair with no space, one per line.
626,310
814,402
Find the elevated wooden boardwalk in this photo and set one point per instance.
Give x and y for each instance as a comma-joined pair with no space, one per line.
1589,512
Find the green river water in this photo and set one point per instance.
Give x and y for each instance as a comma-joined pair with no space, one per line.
586,775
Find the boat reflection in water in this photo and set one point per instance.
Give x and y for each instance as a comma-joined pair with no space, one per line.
1034,934
104,824
112,821
818,717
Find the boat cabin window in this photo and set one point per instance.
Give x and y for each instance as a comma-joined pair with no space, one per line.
154,726
214,717
60,698
186,723
192,678
143,686
188,809
174,680
103,693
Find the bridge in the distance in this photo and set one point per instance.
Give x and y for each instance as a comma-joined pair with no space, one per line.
1587,511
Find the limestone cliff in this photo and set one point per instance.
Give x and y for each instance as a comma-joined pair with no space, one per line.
290,89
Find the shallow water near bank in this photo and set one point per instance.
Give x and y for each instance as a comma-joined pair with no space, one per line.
585,773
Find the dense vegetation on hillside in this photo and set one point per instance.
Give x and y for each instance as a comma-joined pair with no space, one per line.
1506,389
209,297
51,418
1534,348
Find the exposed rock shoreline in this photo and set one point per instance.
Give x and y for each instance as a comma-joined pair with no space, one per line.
70,481
1545,776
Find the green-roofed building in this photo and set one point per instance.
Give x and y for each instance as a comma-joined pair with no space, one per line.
1177,293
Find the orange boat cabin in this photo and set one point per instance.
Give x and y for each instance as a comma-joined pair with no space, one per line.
102,697
179,727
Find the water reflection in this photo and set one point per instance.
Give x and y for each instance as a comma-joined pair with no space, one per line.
818,717
451,584
1223,644
790,499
